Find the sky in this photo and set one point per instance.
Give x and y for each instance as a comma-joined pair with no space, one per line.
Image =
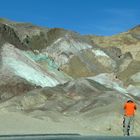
98,17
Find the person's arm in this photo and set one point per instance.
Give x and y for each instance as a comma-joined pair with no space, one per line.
135,107
124,106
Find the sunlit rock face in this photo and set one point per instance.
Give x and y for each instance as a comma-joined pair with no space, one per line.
48,57
66,51
24,67
128,43
64,55
77,57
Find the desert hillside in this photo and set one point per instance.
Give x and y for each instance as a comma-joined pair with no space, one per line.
54,80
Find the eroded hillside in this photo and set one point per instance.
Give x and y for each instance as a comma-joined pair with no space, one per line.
59,76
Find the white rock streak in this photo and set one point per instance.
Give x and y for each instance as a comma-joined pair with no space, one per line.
109,81
62,49
99,53
25,67
136,77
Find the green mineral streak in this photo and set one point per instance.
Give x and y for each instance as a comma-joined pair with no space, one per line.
47,63
42,58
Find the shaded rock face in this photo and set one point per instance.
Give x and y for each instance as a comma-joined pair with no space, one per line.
7,34
14,87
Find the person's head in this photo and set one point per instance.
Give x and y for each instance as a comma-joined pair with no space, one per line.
129,101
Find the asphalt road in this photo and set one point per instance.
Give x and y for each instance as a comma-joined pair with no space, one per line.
63,137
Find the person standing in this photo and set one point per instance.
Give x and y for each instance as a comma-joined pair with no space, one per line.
129,113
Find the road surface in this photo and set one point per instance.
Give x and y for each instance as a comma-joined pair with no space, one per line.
63,137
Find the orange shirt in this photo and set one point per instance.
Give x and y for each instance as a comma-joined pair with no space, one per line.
129,108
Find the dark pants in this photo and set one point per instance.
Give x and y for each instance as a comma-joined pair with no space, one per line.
128,125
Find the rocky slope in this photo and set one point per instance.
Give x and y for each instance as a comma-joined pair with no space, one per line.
128,43
55,73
